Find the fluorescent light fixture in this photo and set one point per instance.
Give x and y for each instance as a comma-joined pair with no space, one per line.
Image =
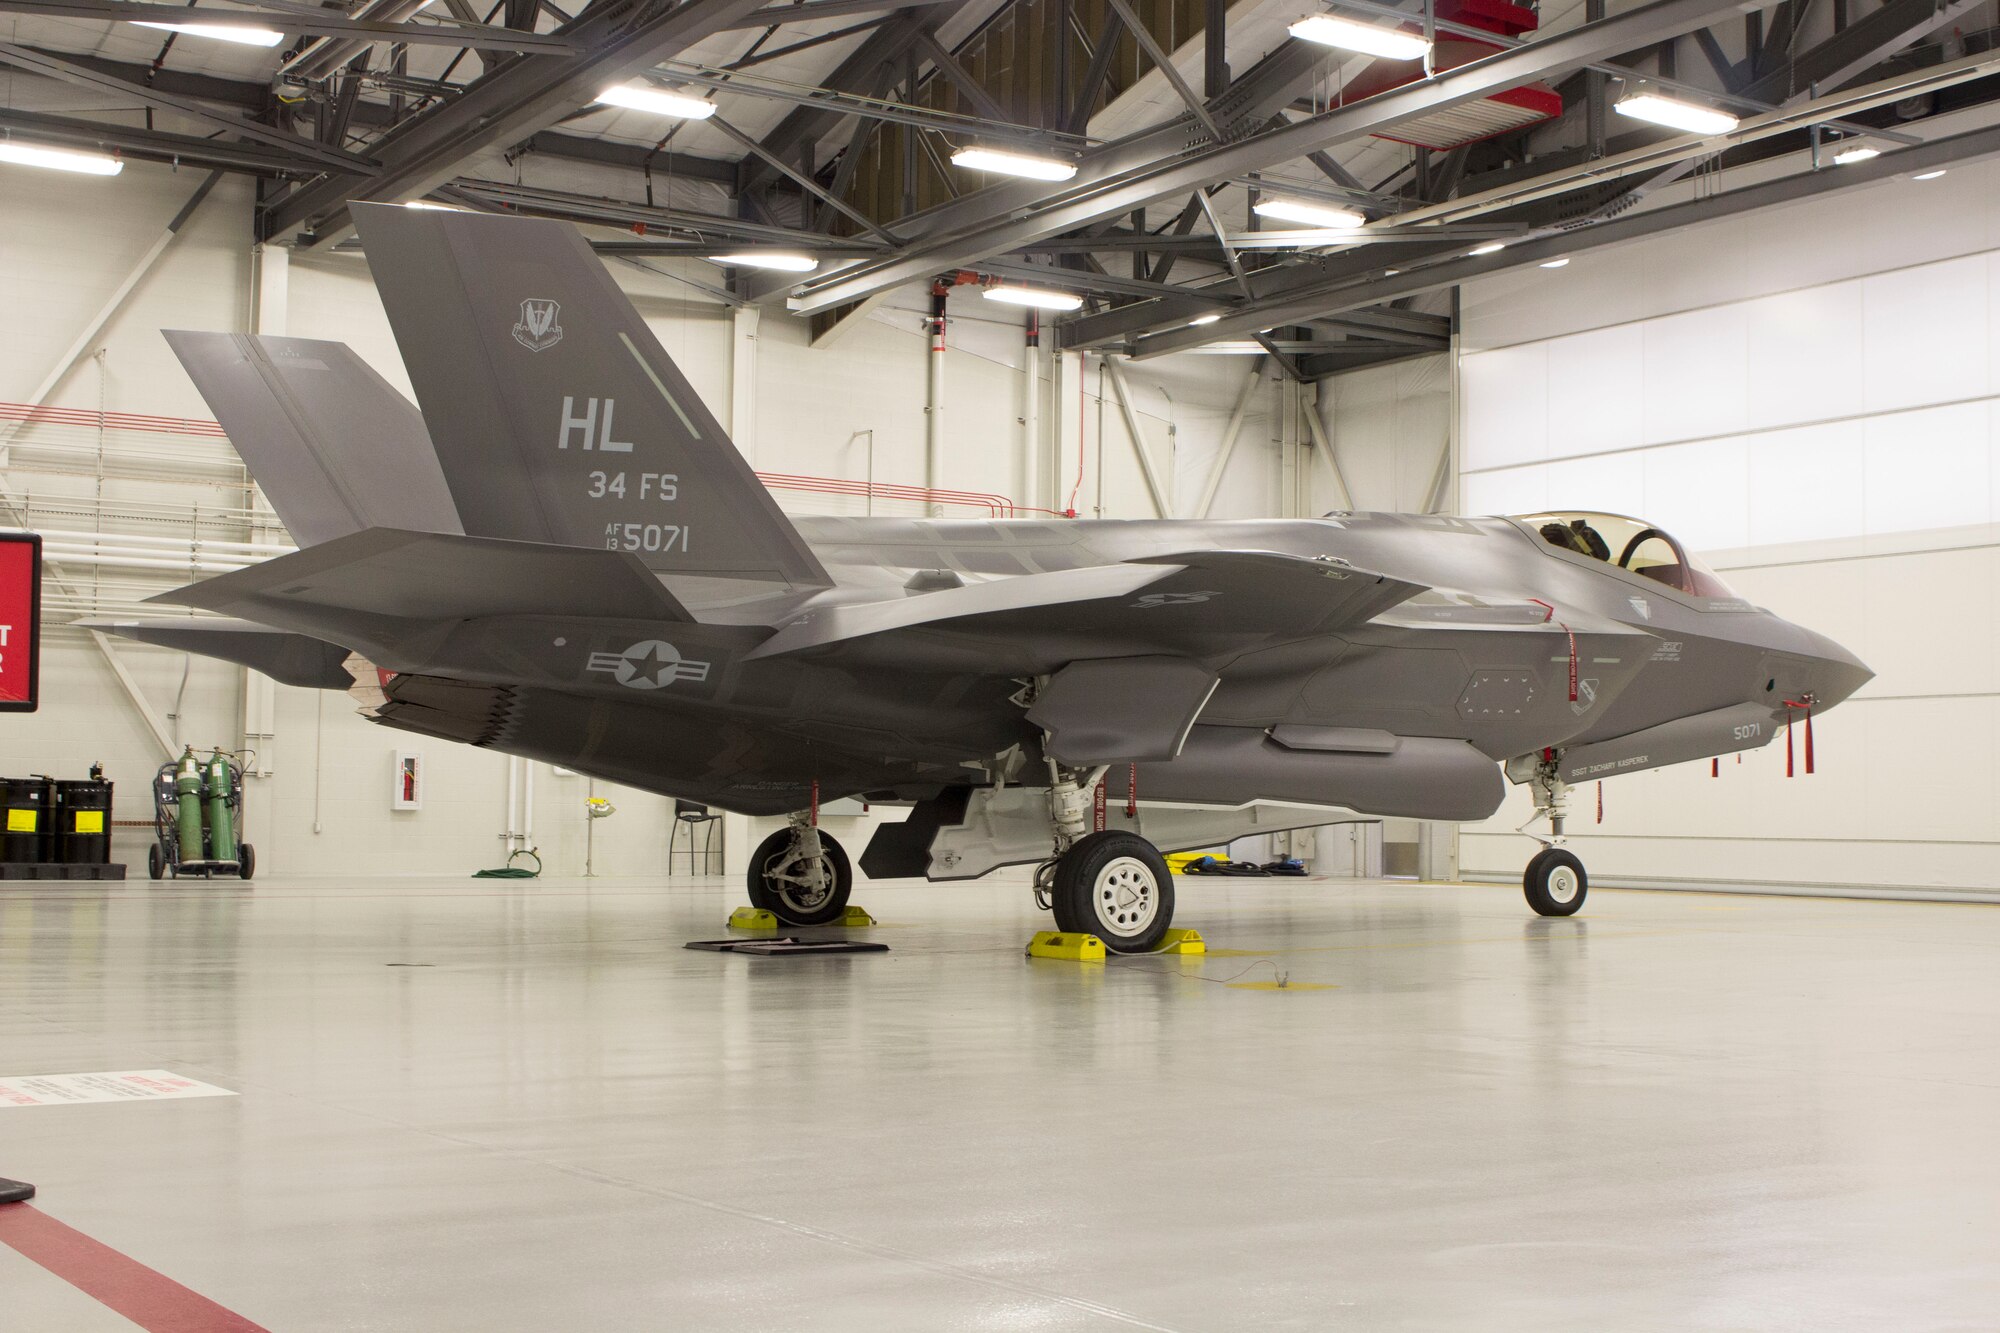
1390,272
1310,213
1354,35
243,34
784,262
1200,320
1928,175
1041,298
1854,152
1014,164
1556,263
1490,248
1675,113
59,159
1229,347
659,101
432,207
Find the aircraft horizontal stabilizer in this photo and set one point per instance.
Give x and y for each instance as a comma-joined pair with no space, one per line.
1189,604
289,659
384,575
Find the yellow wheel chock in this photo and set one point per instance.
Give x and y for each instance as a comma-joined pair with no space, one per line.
1071,946
1182,941
856,917
752,918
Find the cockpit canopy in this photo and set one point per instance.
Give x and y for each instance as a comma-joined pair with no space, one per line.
1629,543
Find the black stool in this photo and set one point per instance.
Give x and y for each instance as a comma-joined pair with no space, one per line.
700,822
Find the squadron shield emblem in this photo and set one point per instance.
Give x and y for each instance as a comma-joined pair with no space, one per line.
537,329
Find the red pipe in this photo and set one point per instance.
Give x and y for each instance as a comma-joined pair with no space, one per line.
997,506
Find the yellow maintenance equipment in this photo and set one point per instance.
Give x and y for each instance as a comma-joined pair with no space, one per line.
1071,946
752,918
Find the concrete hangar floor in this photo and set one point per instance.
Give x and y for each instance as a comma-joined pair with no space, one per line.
524,1106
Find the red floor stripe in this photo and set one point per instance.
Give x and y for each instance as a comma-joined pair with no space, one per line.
151,1300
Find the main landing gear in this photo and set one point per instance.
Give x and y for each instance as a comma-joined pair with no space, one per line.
1554,884
1111,884
801,875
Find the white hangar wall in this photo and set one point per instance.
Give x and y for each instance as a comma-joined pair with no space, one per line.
66,245
1807,396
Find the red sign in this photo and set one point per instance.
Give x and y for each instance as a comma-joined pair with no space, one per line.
20,620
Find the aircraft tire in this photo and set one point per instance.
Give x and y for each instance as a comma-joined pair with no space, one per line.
1117,887
783,900
1555,884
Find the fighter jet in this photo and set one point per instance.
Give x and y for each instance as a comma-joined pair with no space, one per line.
564,557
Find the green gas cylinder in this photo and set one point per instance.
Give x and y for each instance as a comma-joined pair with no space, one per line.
221,837
187,805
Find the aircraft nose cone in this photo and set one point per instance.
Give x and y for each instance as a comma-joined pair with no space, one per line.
1837,673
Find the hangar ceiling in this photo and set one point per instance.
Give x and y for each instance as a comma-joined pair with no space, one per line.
827,128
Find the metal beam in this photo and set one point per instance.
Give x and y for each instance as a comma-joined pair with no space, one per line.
1686,148
323,24
1156,164
896,113
70,71
1415,225
153,145
1859,47
1070,279
811,12
623,213
1229,434
1094,74
638,157
140,704
860,73
803,181
1164,62
1311,301
1124,396
498,110
961,78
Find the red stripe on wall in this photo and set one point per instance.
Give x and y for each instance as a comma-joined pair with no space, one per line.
149,1299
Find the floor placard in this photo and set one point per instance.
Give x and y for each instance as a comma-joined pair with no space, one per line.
126,1085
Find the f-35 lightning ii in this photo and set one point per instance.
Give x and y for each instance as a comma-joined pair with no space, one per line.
564,557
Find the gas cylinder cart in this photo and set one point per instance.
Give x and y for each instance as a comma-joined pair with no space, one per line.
197,813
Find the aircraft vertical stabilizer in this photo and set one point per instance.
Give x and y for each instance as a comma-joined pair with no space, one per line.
556,414
333,445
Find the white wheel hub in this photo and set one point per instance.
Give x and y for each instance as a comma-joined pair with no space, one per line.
1562,884
803,882
1125,897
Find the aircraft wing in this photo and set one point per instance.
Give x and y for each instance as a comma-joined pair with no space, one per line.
1190,604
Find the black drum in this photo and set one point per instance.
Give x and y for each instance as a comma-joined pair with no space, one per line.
83,822
27,819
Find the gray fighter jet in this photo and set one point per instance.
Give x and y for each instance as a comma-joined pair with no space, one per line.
564,557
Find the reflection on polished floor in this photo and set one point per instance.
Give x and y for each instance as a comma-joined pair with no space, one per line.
523,1106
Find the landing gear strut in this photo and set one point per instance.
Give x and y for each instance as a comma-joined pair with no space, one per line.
801,875
1554,882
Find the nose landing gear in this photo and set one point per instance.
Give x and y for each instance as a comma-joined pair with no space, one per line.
1554,883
